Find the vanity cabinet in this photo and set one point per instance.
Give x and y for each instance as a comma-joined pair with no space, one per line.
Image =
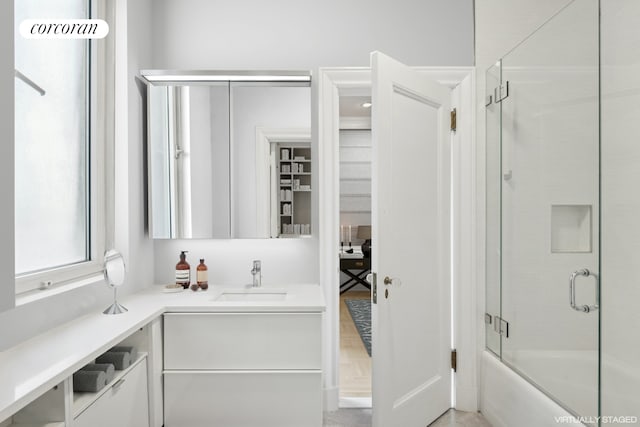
242,369
124,403
132,398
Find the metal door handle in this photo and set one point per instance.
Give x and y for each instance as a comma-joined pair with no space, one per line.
392,281
572,291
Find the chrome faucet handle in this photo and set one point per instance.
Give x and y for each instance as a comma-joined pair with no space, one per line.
256,271
256,266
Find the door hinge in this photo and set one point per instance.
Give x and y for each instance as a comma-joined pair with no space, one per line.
488,319
453,120
501,92
501,326
454,360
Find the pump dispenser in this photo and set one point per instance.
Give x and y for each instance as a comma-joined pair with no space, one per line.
183,271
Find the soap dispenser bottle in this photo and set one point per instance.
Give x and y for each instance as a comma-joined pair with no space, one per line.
202,275
183,271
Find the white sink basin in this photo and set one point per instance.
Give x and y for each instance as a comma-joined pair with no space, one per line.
252,294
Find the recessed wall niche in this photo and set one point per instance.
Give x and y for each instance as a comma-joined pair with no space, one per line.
570,228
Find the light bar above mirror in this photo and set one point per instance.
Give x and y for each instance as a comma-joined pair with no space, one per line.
207,76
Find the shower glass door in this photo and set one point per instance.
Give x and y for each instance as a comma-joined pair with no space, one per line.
549,182
492,291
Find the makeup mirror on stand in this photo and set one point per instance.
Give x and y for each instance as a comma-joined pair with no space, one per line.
114,275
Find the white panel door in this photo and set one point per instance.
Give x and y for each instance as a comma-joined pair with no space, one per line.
411,320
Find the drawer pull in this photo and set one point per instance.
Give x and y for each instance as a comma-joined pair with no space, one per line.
118,384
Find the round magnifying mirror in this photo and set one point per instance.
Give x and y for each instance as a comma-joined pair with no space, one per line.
114,275
114,268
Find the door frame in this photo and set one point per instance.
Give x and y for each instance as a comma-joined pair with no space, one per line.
334,82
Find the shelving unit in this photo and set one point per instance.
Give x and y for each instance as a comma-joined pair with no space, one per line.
45,411
82,400
294,195
129,399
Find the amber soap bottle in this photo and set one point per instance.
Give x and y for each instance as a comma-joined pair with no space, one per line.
202,275
183,271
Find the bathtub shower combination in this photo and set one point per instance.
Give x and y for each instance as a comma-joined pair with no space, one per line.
563,206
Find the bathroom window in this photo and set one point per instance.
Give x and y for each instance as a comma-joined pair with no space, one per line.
55,181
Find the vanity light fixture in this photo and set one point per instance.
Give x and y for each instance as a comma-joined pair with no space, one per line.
364,233
366,105
204,76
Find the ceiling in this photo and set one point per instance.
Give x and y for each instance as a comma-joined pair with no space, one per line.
351,106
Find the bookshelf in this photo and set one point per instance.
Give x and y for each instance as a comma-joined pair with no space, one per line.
294,195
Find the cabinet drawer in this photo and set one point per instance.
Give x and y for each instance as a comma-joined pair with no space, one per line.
243,399
242,341
124,405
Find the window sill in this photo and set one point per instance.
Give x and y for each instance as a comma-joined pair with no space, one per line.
36,295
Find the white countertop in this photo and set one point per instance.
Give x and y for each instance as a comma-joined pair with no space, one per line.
36,365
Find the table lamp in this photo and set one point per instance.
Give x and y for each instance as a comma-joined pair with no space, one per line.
364,233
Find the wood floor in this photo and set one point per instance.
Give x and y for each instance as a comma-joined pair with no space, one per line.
355,363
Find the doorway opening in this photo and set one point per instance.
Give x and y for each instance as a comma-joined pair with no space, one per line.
335,83
354,157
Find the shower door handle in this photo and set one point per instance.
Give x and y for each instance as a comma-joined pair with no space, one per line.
572,291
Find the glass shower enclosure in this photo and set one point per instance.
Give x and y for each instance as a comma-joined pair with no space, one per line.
544,214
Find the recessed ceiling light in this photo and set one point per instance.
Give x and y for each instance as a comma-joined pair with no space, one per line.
366,105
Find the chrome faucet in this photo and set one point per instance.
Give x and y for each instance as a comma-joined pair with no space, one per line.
256,271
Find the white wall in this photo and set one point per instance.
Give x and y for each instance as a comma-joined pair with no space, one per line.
7,257
550,144
500,26
135,242
620,229
287,34
28,320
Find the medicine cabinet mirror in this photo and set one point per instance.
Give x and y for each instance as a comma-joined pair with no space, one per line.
229,154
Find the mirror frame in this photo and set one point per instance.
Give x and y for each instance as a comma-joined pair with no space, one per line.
168,78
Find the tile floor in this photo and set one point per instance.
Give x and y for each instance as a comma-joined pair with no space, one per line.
362,418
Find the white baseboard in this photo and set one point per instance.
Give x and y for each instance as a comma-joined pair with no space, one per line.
355,402
331,398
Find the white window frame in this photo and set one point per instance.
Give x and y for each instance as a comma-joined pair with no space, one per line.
37,285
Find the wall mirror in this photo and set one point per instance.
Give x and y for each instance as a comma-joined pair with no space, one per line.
229,154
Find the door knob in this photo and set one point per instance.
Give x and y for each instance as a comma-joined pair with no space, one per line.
392,281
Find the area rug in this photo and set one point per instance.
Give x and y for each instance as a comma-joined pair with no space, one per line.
360,310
